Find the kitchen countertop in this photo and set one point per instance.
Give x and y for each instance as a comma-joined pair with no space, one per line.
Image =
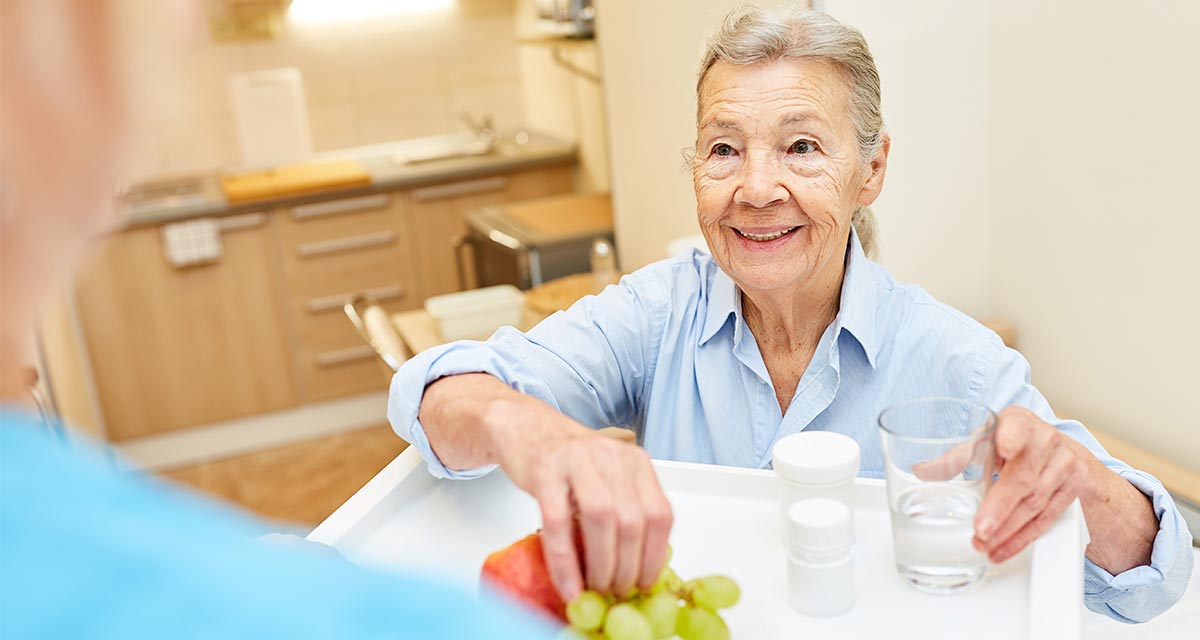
386,175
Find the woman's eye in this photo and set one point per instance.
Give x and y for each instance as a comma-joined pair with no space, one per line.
722,149
802,147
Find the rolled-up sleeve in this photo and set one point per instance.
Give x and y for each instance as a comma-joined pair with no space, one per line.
1140,593
590,362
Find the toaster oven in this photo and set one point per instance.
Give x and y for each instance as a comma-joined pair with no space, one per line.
528,243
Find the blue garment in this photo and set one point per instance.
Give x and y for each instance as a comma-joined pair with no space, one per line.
668,354
87,552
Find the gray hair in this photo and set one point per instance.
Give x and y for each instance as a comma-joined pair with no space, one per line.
752,34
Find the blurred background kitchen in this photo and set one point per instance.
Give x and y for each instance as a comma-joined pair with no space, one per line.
323,187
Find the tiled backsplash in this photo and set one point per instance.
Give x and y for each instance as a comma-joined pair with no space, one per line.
367,82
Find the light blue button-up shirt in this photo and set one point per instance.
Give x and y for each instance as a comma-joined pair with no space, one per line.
90,552
667,353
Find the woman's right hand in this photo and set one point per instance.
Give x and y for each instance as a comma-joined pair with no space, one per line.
605,484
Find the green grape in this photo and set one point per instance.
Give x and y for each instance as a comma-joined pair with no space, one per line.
695,623
660,611
586,611
667,581
625,622
714,592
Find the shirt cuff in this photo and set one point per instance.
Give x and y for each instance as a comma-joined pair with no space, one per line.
408,388
1140,593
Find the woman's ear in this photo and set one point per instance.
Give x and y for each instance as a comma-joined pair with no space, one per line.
877,168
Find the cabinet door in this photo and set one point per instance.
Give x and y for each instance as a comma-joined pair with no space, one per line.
173,348
438,215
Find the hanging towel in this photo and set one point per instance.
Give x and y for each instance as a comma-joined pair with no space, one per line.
192,242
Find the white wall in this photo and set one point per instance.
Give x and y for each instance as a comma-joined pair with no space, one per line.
1095,213
935,227
369,81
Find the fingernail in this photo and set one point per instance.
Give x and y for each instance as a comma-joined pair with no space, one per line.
985,528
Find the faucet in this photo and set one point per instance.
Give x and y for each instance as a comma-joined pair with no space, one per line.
483,128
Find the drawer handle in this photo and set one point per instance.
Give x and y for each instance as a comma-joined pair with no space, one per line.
335,207
468,187
244,221
337,357
337,245
329,303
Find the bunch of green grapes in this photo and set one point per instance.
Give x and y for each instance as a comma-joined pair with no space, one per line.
671,607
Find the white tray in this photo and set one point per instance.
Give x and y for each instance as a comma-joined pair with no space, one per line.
726,521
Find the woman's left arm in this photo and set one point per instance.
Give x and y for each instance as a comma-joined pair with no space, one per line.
1139,559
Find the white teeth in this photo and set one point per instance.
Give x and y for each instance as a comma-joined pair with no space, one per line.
769,236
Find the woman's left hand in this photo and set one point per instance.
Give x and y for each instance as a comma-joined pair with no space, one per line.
1041,471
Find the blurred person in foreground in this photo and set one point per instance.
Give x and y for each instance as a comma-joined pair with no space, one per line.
85,551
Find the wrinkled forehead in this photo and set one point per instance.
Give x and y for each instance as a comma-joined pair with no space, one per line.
782,89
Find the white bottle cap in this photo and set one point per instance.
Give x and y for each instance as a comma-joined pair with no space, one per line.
816,457
819,526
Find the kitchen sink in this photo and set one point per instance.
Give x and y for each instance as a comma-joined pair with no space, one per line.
446,147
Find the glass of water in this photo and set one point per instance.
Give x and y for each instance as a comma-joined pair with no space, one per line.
939,462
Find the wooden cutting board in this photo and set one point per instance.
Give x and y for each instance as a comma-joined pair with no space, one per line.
286,180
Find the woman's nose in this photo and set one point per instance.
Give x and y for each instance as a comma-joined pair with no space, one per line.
761,181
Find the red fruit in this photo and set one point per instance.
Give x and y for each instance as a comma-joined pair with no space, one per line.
519,570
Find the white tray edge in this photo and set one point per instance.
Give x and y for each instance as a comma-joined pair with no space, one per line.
1054,614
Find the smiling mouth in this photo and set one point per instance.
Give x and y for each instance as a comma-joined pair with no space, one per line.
766,237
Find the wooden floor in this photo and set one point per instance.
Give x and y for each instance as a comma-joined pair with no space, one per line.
301,483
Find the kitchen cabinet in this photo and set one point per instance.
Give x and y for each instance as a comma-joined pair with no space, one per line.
173,348
438,214
262,328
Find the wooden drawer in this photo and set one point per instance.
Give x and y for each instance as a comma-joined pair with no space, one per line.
347,253
333,218
335,370
320,320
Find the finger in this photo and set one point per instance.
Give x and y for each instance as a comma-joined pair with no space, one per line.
953,462
597,518
631,531
1013,431
946,466
558,539
1016,483
1049,481
1034,528
1018,479
659,519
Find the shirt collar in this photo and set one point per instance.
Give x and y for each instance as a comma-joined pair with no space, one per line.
856,316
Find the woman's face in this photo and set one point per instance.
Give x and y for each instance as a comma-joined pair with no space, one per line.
777,172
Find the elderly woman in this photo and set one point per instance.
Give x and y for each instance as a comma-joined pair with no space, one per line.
787,326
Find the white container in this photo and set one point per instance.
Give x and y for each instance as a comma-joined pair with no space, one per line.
820,541
815,464
476,313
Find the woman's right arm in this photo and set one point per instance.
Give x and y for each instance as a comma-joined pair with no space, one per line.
525,402
572,471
